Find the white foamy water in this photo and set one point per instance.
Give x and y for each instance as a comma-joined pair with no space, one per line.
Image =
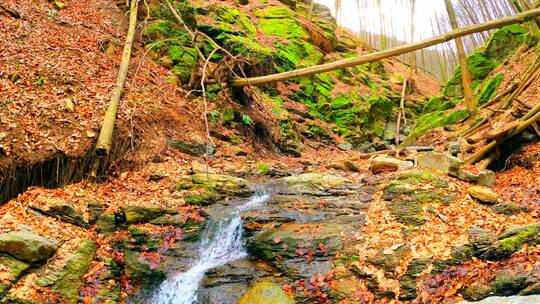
221,243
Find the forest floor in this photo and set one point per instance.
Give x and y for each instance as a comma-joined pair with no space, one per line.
57,69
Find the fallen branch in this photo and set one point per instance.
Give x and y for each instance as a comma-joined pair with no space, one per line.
532,116
105,135
11,12
350,62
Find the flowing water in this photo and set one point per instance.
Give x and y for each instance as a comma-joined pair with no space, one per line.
221,243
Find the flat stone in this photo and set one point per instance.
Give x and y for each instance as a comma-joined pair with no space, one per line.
383,163
483,194
508,300
439,161
27,246
198,167
220,182
62,210
345,146
265,293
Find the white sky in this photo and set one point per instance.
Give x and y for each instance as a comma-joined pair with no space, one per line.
394,11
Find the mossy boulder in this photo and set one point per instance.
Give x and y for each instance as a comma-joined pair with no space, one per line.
283,242
388,261
220,182
484,60
488,89
11,269
139,270
311,183
141,214
62,210
513,239
265,293
27,246
67,281
434,120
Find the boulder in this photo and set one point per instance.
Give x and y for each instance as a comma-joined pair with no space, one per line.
513,239
27,246
197,167
483,194
62,210
384,163
439,161
483,177
11,270
345,165
141,271
481,239
311,183
141,214
220,182
68,280
265,293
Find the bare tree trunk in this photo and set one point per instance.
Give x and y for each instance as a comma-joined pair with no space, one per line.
105,135
465,73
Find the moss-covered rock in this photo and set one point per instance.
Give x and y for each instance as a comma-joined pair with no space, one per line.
220,182
27,246
11,269
488,89
141,214
513,239
67,281
483,194
265,293
311,183
435,120
389,261
482,61
62,210
140,270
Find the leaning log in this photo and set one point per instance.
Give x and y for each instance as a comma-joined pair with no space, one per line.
105,135
350,62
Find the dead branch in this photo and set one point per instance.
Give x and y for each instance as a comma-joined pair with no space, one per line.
350,62
105,135
11,12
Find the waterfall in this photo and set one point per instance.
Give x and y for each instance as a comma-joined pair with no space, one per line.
221,243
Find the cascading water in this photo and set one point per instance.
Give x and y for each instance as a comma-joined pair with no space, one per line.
221,243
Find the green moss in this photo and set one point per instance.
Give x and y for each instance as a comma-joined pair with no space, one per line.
512,241
246,47
274,12
484,60
69,280
489,88
263,168
265,293
285,28
435,120
233,16
184,59
438,103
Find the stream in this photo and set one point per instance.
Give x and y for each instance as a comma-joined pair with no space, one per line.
221,243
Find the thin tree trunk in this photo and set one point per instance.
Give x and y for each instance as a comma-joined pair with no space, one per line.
350,62
105,135
465,73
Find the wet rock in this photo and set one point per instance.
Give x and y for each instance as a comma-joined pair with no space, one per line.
62,210
483,194
265,293
291,148
439,161
204,199
476,291
67,281
513,239
383,164
226,284
140,214
220,182
139,270
27,246
509,283
11,270
178,220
